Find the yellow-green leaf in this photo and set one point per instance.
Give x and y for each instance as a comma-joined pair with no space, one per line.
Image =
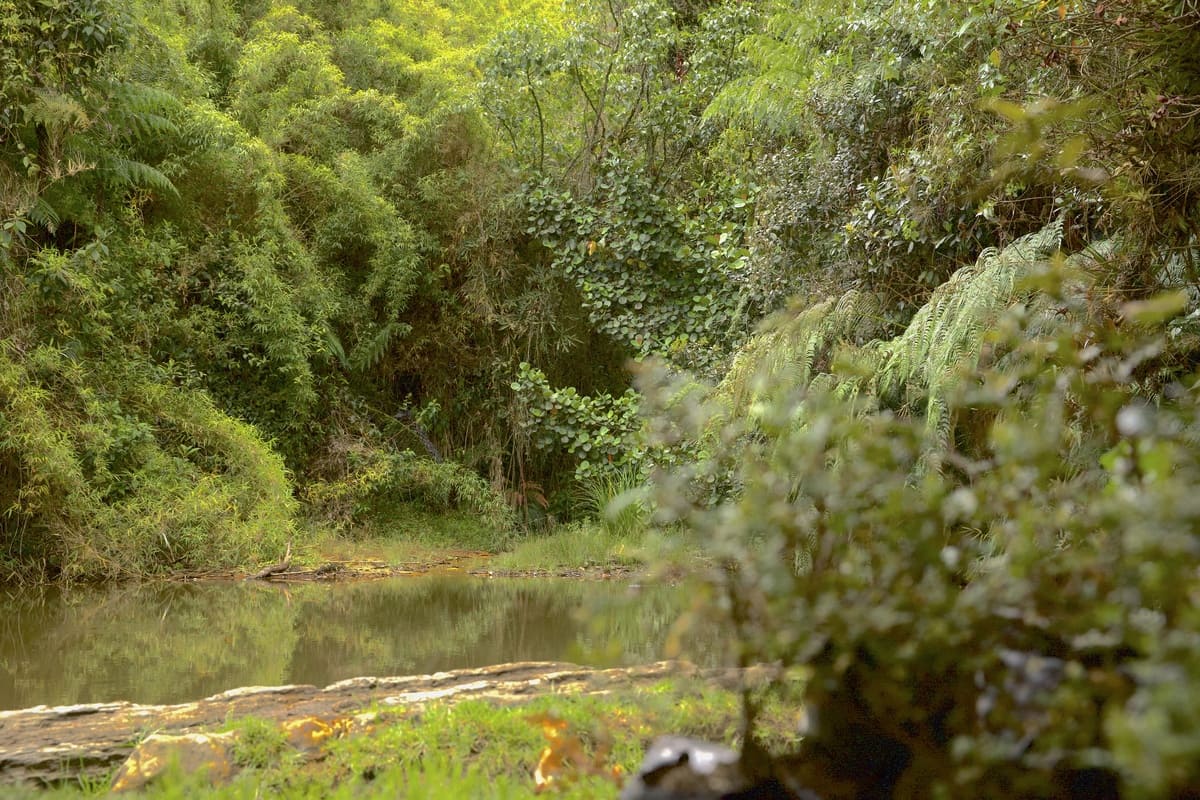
1157,309
1008,109
1069,155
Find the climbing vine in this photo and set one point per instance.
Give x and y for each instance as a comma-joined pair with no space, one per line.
600,432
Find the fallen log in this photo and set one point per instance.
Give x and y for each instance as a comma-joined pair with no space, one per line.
274,569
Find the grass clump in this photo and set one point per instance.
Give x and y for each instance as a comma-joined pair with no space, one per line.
259,744
613,532
572,546
617,499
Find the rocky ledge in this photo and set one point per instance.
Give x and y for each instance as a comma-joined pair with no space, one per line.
48,744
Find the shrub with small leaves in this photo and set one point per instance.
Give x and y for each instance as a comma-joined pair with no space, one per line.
1020,621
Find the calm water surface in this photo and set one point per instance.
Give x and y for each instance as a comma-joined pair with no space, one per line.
167,643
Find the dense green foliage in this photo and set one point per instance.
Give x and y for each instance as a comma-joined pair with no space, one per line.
236,241
1015,617
919,280
257,251
965,509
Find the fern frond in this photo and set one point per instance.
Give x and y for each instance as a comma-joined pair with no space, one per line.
43,214
127,172
948,329
140,112
333,344
145,125
912,372
793,349
57,112
140,98
369,352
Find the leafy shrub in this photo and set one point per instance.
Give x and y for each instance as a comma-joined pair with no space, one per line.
655,275
599,431
113,471
373,482
1019,621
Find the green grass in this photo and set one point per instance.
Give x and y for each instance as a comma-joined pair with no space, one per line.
588,544
419,529
259,743
415,536
613,533
571,546
457,528
617,500
472,749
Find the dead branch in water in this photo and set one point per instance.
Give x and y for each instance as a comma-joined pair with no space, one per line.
283,566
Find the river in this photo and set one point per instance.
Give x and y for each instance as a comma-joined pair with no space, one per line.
174,642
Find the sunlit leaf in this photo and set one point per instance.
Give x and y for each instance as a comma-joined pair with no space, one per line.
1157,309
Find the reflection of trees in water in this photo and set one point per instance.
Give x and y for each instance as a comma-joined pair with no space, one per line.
639,625
427,624
174,642
154,644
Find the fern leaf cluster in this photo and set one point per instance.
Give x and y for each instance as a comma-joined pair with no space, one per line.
125,172
949,328
912,372
796,347
140,112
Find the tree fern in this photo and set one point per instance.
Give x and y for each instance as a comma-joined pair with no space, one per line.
139,112
822,348
43,214
57,111
135,174
821,49
949,328
794,348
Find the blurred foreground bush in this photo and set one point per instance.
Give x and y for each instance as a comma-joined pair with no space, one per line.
1008,609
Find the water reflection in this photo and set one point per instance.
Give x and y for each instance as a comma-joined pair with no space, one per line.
174,642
